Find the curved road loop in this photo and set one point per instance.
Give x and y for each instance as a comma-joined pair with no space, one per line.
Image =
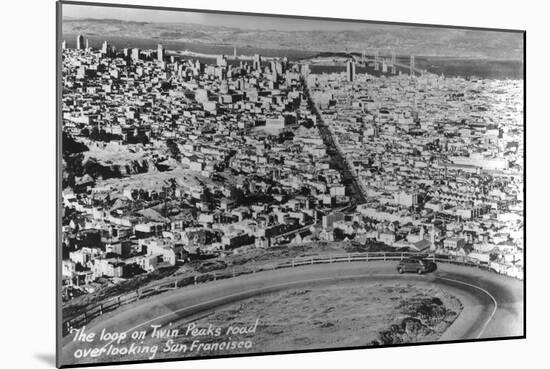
492,303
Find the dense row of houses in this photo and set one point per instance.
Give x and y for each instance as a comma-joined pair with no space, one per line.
441,154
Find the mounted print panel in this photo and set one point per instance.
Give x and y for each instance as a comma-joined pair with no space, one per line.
239,184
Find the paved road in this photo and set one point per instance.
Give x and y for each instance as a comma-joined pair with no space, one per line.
493,304
353,186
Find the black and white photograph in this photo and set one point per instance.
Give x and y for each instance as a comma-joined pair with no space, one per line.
237,184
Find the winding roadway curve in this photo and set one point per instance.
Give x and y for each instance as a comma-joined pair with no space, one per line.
492,303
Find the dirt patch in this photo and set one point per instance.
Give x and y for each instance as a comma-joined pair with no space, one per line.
343,314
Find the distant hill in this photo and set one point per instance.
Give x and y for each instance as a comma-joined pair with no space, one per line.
405,40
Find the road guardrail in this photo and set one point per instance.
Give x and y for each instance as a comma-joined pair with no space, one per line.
179,282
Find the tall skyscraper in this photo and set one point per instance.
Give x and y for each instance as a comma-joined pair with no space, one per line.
257,62
105,48
274,74
350,70
160,52
235,52
411,68
135,54
79,42
221,60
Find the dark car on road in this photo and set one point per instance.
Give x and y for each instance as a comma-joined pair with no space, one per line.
416,265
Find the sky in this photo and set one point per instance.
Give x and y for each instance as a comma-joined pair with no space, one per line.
227,20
